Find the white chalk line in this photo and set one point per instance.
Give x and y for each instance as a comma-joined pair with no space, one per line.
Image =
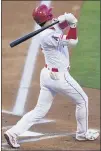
41,121
42,138
11,113
28,71
30,133
5,148
6,127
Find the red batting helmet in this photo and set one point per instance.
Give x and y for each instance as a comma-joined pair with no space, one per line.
42,14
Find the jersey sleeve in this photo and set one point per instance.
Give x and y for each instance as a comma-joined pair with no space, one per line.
55,39
63,25
71,39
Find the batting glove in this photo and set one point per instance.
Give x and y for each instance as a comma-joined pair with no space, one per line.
71,19
61,19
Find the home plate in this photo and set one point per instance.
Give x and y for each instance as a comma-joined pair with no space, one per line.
29,133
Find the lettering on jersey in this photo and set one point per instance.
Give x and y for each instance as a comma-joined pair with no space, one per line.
56,38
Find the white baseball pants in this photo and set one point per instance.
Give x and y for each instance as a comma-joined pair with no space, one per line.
52,83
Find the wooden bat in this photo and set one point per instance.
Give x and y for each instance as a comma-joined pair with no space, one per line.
32,34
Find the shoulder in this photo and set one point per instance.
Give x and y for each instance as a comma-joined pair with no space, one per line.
46,33
48,36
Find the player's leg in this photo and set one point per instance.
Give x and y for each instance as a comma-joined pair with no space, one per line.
43,105
72,89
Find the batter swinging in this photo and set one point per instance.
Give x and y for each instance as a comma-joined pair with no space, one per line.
55,77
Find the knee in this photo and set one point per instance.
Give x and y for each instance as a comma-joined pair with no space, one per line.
42,109
83,100
36,114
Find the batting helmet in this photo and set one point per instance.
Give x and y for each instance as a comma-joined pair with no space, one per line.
42,14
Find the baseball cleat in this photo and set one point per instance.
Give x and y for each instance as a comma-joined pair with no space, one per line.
11,140
91,135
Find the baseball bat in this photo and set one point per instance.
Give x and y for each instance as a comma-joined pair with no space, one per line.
32,34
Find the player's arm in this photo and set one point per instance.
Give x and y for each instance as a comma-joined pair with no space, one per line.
71,39
62,26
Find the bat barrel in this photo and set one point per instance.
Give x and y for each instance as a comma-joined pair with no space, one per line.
20,40
26,37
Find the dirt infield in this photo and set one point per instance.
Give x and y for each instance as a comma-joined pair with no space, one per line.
55,135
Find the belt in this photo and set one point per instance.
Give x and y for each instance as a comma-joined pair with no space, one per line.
52,69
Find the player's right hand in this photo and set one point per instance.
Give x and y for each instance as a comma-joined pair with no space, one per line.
70,18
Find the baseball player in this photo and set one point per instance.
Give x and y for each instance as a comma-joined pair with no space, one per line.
55,77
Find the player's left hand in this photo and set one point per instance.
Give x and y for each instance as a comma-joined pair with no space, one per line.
70,18
61,19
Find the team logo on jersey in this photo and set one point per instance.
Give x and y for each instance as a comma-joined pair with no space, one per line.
56,38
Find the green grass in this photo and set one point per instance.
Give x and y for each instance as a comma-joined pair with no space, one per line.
85,60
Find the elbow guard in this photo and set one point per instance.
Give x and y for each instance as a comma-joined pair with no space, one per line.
73,42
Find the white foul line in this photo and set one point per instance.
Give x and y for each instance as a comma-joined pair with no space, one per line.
41,121
42,138
28,71
31,134
8,112
45,137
